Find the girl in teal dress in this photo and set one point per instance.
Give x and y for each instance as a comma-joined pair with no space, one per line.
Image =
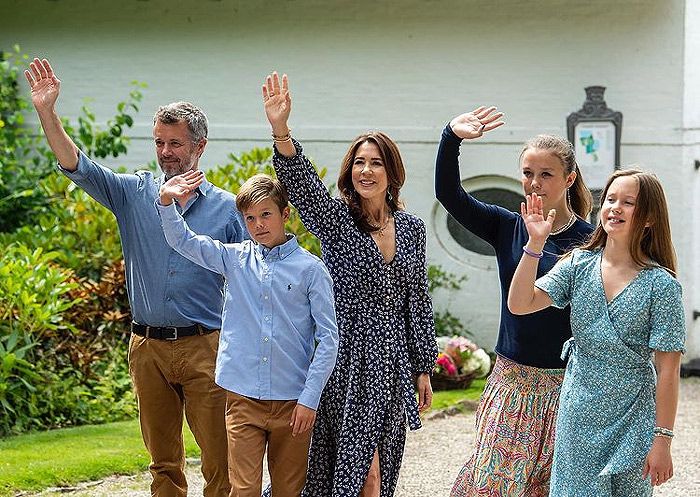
617,408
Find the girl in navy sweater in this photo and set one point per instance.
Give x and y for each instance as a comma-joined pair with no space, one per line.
515,420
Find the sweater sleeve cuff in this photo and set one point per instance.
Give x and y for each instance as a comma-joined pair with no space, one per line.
449,134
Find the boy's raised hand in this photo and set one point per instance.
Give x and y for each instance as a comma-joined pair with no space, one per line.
303,419
180,186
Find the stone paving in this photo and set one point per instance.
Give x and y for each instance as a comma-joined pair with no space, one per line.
435,454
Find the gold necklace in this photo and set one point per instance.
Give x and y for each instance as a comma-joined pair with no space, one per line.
380,229
566,226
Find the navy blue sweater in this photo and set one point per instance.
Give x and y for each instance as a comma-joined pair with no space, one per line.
535,339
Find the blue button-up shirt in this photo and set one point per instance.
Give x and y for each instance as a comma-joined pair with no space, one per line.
165,289
278,303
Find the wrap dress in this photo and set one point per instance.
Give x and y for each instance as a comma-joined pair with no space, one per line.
386,337
607,407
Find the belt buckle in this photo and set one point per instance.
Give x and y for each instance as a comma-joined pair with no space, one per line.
174,337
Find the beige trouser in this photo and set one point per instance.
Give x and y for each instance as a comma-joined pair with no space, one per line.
253,424
171,377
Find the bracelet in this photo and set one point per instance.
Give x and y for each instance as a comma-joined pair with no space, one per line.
660,431
532,254
283,138
668,439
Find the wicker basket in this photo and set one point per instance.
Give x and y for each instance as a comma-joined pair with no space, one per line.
441,381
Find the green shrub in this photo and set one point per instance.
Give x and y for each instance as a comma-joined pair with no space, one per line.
17,379
62,344
83,233
33,300
446,323
63,313
21,166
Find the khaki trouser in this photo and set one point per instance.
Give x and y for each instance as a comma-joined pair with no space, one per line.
253,424
169,377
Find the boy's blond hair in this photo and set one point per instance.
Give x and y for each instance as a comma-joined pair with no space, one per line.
261,187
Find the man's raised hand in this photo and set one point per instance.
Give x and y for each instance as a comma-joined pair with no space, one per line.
44,84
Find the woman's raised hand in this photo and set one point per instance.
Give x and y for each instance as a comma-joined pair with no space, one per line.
278,103
477,122
538,226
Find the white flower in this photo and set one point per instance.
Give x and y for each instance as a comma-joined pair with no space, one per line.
442,342
478,362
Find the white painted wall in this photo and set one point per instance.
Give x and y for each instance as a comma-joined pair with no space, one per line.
403,67
691,139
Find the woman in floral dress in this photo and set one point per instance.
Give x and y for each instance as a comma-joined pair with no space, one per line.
375,252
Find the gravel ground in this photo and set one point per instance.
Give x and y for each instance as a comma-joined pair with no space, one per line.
435,454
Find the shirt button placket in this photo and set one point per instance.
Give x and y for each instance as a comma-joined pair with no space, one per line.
266,330
169,307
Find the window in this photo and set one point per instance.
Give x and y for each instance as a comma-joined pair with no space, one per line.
460,243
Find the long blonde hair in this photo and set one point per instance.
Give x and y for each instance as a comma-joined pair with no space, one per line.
651,229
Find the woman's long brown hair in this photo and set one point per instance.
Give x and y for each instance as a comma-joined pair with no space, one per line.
395,172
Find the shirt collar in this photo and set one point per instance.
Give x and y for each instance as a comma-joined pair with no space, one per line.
281,251
205,186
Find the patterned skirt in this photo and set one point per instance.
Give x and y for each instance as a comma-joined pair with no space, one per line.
515,424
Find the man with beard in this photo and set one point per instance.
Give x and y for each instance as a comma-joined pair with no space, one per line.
176,305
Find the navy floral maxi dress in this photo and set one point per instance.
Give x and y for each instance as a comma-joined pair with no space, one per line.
387,335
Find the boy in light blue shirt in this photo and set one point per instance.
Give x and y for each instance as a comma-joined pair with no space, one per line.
278,305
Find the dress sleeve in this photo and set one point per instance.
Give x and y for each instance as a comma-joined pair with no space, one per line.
559,281
480,218
320,213
667,332
421,323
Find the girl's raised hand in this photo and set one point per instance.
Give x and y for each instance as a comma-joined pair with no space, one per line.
538,226
278,102
477,122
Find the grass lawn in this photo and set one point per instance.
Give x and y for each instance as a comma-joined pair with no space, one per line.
446,398
64,457
67,456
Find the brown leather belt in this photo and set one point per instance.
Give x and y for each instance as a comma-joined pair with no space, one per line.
169,332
